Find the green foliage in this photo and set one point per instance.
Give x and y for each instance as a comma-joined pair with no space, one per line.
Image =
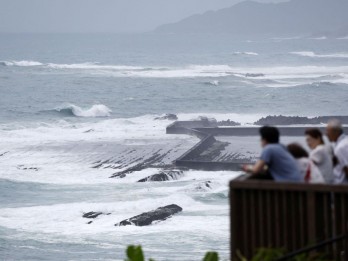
268,254
135,253
211,256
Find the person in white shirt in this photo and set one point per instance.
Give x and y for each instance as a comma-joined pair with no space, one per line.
309,171
334,132
321,155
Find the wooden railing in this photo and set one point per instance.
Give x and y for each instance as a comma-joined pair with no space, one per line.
291,216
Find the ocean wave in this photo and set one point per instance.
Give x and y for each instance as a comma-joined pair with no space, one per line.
93,65
312,54
214,83
245,53
97,110
286,38
318,38
20,63
292,75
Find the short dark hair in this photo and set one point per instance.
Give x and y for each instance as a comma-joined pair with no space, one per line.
297,151
315,133
269,134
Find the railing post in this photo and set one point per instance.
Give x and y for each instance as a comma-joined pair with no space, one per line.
311,217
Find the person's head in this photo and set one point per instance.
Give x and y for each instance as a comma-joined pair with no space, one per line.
314,137
269,135
334,130
297,151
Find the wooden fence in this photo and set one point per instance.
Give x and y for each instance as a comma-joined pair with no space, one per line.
287,215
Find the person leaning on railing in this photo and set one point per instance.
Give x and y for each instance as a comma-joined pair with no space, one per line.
334,132
281,166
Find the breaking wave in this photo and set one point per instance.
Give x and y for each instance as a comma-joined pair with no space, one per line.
272,76
20,63
318,38
245,53
214,83
97,110
312,54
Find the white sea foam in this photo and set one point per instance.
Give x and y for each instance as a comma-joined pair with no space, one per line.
286,38
343,38
91,66
63,222
97,110
272,76
246,53
64,152
214,83
318,38
244,119
21,63
215,70
312,54
129,99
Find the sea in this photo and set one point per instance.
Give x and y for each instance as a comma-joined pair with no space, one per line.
77,108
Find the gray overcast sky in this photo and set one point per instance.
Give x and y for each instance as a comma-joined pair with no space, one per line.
99,15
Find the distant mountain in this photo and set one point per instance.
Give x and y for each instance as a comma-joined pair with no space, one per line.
293,18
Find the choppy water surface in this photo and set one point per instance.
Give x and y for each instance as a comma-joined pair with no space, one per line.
69,102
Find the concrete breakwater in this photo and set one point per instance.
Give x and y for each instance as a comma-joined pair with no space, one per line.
210,153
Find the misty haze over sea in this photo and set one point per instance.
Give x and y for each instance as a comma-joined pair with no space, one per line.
77,108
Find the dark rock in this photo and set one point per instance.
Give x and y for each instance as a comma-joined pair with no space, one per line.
22,167
163,176
147,218
254,75
169,116
90,222
290,120
203,186
228,123
4,153
207,184
92,214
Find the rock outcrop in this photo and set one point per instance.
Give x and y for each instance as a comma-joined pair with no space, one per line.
93,214
290,120
163,176
147,218
168,116
228,123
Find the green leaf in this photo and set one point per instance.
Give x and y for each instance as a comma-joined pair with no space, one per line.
240,256
211,256
268,254
135,253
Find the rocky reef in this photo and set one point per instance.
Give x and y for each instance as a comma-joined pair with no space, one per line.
148,218
164,175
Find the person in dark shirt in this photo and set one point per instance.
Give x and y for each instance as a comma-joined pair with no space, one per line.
281,165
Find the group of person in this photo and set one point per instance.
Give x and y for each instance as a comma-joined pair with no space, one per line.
325,163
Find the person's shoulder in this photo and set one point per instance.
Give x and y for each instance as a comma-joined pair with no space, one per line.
274,147
342,146
320,149
345,141
271,146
